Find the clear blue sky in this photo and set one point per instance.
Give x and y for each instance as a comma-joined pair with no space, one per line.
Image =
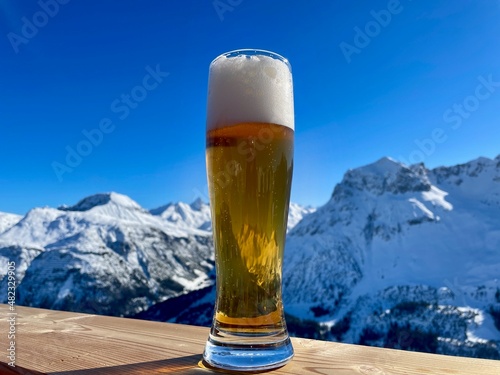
415,80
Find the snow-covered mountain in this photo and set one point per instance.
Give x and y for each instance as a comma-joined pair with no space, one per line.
105,254
401,256
407,250
388,224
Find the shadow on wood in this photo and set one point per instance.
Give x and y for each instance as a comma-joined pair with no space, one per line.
181,365
189,365
5,369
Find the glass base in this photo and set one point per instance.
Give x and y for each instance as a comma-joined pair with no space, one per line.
247,357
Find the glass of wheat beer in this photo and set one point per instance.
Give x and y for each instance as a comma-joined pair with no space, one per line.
249,154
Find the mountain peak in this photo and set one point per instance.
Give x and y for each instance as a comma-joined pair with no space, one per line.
385,175
197,204
102,199
381,166
481,161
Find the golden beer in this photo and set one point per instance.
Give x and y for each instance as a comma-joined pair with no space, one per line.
249,155
250,173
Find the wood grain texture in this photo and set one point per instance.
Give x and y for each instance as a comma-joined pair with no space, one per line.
63,343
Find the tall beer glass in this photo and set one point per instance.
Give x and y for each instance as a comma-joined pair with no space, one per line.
250,130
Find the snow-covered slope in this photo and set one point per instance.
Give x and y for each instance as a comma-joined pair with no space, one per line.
8,220
195,215
388,224
393,235
105,254
296,213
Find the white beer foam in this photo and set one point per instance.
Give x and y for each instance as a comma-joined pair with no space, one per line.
254,88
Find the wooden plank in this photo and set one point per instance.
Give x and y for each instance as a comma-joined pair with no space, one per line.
63,343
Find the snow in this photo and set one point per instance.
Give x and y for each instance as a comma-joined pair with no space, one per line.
437,198
296,213
421,207
8,220
102,199
194,215
482,328
199,282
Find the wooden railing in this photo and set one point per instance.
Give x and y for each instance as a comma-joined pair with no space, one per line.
63,343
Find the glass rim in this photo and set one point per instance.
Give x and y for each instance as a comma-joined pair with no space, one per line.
254,52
